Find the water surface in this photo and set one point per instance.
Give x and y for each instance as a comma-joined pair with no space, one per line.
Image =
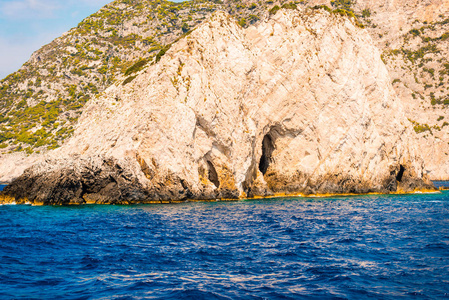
442,184
364,247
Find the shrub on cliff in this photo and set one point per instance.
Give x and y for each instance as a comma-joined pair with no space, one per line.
274,10
242,22
136,67
290,5
162,53
342,4
185,27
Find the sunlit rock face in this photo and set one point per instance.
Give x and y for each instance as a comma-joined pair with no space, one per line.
413,37
302,103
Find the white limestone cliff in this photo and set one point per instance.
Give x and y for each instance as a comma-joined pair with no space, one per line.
302,103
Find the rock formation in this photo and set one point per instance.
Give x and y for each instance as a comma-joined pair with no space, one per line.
413,36
299,104
40,103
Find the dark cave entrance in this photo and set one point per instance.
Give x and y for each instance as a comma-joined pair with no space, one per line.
267,151
212,174
400,173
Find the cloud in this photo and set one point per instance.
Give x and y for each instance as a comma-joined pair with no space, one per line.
24,9
44,9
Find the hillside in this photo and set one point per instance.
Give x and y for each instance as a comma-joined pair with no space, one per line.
40,104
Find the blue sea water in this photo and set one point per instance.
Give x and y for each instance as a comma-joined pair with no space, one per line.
443,184
363,247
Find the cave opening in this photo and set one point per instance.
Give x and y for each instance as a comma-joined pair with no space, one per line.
267,151
400,173
212,174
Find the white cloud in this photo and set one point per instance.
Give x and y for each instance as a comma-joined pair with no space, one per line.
23,9
41,9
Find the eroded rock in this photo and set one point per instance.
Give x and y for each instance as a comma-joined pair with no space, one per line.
302,103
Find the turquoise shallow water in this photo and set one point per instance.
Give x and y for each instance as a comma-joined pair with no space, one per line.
364,247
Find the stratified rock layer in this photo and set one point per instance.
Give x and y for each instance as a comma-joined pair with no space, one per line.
301,103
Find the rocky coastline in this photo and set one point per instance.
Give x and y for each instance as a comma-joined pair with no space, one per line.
300,104
110,183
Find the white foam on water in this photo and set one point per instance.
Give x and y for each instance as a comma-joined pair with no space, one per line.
420,192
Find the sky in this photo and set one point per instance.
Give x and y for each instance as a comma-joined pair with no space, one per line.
27,25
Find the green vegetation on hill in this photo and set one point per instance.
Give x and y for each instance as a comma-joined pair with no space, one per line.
41,103
424,51
48,93
343,4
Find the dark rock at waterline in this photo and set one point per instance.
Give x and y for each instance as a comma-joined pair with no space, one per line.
104,181
100,183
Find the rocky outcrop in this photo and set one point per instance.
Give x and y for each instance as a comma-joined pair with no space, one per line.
41,102
12,165
413,36
299,104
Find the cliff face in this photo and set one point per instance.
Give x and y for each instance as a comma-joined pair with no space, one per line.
416,51
413,36
40,104
301,103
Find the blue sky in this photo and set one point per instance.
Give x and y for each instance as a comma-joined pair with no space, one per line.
27,25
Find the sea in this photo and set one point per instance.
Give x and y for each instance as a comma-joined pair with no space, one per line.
359,247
